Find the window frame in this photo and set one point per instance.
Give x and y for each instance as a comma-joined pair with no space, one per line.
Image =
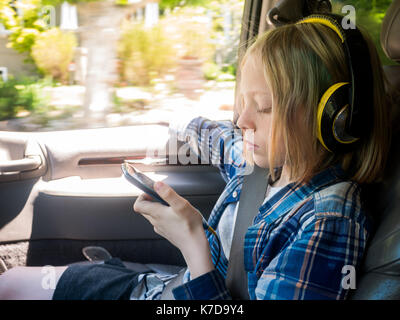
254,22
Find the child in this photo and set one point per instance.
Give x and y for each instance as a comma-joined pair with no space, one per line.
312,222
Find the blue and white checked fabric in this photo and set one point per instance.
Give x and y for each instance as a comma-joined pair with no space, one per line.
299,241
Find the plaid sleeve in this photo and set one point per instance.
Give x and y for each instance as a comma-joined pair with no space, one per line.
215,142
311,267
209,286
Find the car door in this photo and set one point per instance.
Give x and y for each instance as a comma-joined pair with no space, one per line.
73,193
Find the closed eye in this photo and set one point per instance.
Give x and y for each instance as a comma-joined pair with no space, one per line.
264,110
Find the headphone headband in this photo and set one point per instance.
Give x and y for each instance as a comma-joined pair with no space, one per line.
331,23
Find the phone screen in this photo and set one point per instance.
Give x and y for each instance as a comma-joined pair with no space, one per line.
140,176
145,180
141,181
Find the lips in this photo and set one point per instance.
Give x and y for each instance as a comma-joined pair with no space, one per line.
251,145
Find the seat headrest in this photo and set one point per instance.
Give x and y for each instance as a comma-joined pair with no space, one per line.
390,34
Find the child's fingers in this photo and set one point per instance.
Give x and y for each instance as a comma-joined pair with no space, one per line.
144,206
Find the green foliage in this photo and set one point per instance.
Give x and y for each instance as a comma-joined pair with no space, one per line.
57,2
214,5
190,32
213,72
121,2
27,26
181,3
226,48
376,5
194,40
145,54
53,51
21,95
230,69
369,15
24,28
199,32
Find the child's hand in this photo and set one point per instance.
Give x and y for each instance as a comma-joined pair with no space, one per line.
180,223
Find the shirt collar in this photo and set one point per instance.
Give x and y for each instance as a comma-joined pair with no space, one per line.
295,192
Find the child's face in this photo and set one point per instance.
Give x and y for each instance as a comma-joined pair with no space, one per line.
256,112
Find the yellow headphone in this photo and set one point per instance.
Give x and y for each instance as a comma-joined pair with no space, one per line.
345,110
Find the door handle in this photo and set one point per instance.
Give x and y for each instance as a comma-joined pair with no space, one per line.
24,159
30,162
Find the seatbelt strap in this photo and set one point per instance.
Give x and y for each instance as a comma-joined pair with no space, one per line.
251,197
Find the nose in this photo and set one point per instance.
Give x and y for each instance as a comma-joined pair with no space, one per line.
246,119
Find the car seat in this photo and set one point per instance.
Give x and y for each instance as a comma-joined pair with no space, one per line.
380,277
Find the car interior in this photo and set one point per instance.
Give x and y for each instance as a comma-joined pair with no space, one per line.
63,191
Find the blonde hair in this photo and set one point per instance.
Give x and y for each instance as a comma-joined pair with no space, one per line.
300,62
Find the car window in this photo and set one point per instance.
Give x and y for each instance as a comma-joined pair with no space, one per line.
79,64
369,14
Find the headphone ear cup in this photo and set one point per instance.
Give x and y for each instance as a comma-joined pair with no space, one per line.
332,114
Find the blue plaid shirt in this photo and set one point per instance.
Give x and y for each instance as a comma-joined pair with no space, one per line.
300,239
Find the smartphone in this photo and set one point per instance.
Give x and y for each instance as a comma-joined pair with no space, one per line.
141,181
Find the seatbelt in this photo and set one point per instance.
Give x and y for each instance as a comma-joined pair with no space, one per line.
251,197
